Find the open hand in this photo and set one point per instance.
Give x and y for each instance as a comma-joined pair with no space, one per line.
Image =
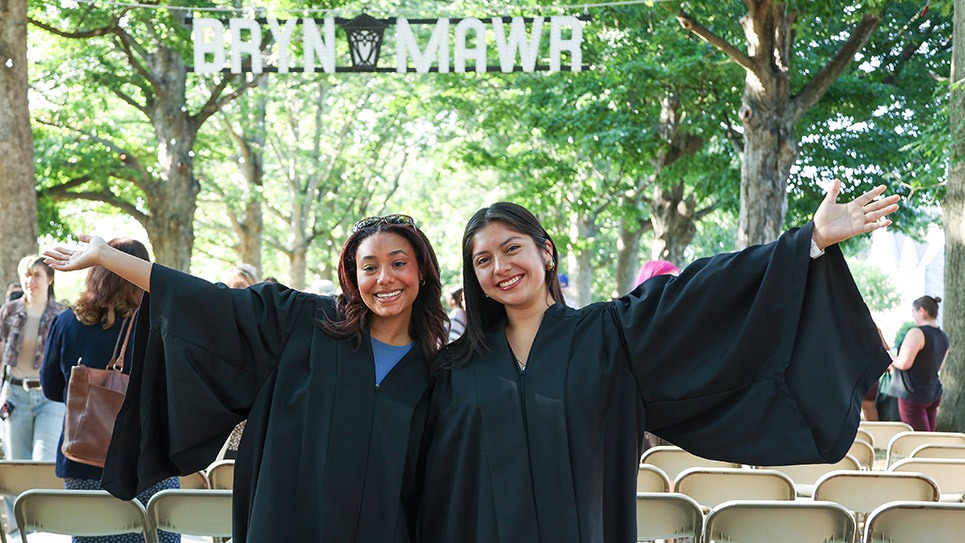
67,259
834,222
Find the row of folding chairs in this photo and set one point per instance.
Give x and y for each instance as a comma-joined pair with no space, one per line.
859,490
674,460
898,439
904,446
665,516
97,513
17,477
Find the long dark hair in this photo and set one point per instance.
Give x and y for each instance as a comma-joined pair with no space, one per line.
483,312
109,295
429,320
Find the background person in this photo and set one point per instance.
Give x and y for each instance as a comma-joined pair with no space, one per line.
652,268
915,381
537,415
14,291
87,334
457,314
242,276
335,390
31,422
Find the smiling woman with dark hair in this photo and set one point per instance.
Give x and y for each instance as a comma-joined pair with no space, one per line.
537,414
335,390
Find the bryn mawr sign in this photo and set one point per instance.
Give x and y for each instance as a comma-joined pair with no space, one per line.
504,44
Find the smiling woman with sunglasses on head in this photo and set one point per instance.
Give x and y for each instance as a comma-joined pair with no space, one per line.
335,390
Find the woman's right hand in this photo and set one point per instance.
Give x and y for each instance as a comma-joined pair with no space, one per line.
67,259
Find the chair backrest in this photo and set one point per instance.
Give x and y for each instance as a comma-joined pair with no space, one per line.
931,450
652,479
191,512
221,475
17,476
883,430
863,452
863,491
196,481
713,486
672,460
865,436
666,515
914,522
805,475
80,513
756,521
949,473
902,444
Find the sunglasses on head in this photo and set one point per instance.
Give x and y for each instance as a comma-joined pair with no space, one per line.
369,222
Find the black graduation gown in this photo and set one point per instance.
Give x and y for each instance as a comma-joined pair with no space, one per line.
326,455
760,357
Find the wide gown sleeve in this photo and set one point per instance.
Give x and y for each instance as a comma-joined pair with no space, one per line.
201,354
760,357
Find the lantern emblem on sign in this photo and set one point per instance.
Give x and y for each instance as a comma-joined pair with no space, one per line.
364,41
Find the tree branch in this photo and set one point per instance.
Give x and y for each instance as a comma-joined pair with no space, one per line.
217,101
81,34
822,81
127,159
129,101
698,215
128,46
61,193
734,136
907,52
690,24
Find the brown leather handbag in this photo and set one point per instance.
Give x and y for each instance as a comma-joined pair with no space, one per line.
94,396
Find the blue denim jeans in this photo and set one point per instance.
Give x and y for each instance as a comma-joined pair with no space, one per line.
32,431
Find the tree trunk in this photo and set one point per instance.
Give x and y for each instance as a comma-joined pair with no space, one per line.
769,146
173,198
249,222
769,112
628,254
579,264
673,223
297,262
951,415
18,212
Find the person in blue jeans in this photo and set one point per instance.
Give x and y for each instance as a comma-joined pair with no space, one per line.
31,423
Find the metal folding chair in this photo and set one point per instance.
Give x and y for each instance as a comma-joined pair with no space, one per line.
79,513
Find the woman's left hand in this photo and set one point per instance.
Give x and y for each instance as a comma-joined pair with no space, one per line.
834,222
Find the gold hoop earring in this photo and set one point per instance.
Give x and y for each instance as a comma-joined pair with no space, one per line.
550,266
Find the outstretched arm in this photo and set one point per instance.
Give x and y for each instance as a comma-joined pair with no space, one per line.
834,222
99,253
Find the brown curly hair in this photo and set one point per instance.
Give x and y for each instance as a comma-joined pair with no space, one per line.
107,294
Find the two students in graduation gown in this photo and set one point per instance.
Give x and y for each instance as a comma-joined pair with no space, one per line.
328,454
536,419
